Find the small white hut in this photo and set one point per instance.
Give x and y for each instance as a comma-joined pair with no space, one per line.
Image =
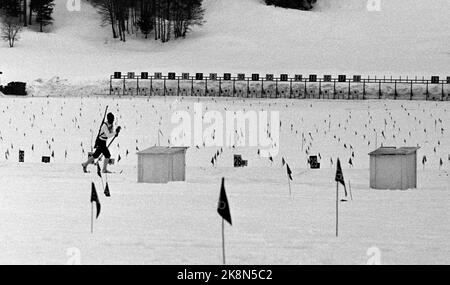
393,168
162,164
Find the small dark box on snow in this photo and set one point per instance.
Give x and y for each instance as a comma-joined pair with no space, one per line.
313,163
239,162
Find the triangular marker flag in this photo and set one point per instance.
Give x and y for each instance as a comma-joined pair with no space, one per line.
107,193
283,162
340,176
223,208
99,172
94,198
289,172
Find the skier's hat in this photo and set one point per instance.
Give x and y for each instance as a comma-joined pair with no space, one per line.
110,118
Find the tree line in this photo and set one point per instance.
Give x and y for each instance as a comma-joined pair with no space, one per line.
22,12
294,4
160,19
163,19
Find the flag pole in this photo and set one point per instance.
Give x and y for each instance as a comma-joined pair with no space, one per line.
92,217
289,182
337,208
350,188
223,240
159,144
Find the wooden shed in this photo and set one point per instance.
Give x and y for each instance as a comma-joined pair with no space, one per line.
393,168
162,164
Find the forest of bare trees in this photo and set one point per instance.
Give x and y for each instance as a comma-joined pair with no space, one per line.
163,19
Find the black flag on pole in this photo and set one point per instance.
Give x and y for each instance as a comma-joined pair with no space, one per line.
107,193
94,198
340,176
289,172
99,172
223,208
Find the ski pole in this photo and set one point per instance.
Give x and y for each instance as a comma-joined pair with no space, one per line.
101,124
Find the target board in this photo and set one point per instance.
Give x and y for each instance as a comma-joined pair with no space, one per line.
255,85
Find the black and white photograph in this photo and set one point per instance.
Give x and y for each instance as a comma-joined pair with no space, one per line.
224,133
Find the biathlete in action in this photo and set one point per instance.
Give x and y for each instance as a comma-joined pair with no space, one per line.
106,132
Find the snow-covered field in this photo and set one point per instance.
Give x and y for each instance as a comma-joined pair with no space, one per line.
45,208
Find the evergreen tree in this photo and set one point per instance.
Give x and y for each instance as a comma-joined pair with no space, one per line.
10,8
43,10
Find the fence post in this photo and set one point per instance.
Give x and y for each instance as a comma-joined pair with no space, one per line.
379,90
276,88
320,88
248,86
110,85
349,89
411,90
334,89
123,89
262,88
306,90
164,87
137,82
395,89
151,85
364,89
234,87
291,92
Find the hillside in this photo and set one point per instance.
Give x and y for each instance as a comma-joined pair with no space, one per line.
408,37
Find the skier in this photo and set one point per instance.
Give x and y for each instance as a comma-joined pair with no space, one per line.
106,132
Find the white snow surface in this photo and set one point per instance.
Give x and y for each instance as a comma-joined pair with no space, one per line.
405,38
45,208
